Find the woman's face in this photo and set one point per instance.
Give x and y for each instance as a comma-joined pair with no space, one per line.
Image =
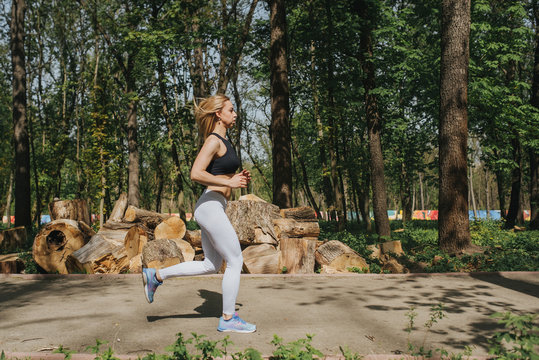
227,115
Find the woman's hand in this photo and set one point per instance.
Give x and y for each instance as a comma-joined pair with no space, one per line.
240,180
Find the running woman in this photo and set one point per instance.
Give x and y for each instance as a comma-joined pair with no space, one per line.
215,167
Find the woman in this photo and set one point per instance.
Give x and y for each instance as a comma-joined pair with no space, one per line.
215,167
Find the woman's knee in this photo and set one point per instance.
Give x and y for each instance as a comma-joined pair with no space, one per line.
235,261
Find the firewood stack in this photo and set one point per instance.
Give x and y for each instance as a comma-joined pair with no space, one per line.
273,240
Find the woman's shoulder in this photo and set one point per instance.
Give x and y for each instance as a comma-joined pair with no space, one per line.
212,142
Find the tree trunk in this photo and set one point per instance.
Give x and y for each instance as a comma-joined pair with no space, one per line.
76,209
516,184
117,213
305,177
534,153
7,212
487,193
453,220
374,122
472,195
20,126
280,124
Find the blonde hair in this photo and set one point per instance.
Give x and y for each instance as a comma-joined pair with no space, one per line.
206,114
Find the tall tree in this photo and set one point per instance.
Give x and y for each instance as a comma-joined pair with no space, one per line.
453,221
534,152
280,108
367,13
20,126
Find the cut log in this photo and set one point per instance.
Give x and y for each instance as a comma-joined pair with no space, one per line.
247,215
170,228
295,229
11,264
135,239
339,256
90,258
303,213
149,218
263,238
13,239
76,209
55,242
193,237
135,264
375,251
115,262
116,236
118,211
188,252
297,255
261,259
251,197
161,253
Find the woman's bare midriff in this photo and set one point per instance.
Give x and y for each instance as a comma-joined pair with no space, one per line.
225,190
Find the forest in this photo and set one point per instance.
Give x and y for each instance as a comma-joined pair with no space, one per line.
352,107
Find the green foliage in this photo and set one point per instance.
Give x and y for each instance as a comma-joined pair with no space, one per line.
67,353
30,266
95,349
300,349
519,339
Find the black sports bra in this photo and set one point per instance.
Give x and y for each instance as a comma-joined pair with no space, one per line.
226,164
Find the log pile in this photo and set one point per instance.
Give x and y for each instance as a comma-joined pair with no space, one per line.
273,241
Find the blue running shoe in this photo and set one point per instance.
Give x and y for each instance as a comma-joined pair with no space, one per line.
236,324
150,283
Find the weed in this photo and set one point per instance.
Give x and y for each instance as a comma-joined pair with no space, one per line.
520,338
67,353
297,350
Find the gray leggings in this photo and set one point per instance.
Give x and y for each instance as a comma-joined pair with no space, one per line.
219,242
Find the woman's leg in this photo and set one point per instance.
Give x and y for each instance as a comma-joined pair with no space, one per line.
213,220
210,265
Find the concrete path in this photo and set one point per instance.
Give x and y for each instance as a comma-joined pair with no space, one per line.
366,313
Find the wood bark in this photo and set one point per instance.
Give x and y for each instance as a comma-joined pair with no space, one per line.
297,255
118,211
13,239
149,218
295,229
161,253
339,257
247,215
20,124
302,213
170,228
280,108
76,209
56,241
193,237
261,259
96,257
453,221
374,121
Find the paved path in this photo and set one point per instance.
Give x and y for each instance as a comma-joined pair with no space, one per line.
366,312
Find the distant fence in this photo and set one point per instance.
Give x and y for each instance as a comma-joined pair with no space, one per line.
392,214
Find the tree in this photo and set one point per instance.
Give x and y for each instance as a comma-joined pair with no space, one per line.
20,126
534,151
367,13
280,125
453,221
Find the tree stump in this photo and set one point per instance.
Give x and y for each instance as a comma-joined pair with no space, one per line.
247,215
13,239
118,211
251,197
302,214
339,256
160,254
295,229
11,264
392,247
150,218
76,209
56,241
261,259
297,255
170,228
